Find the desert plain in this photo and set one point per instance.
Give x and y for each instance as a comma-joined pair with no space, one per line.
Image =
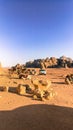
23,113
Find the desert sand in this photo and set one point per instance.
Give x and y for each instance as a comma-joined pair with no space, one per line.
23,113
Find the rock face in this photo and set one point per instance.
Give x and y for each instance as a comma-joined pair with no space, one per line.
65,62
51,62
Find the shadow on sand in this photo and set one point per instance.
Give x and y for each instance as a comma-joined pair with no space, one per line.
37,117
58,83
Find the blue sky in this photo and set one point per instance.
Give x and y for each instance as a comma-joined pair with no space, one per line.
31,29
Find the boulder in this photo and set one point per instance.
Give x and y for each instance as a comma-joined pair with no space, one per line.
21,90
40,87
69,79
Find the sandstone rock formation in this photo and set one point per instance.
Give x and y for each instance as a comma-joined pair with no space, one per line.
21,90
42,89
51,62
69,79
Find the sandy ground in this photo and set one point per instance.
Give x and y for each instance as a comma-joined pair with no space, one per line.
23,113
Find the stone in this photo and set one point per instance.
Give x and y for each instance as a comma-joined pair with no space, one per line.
21,90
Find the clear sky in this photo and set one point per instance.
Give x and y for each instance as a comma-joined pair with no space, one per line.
31,29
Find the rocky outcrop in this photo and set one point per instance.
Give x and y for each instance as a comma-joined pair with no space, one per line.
51,62
65,62
69,79
42,89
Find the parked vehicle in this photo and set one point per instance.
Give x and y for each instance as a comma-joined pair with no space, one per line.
42,72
